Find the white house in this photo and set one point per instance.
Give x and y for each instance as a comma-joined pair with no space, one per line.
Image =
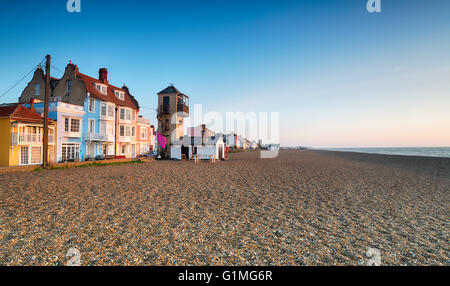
188,145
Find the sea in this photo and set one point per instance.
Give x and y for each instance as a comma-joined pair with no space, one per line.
408,151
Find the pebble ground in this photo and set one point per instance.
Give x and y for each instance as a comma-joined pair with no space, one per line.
301,208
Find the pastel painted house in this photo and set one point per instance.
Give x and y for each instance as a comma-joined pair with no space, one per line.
145,136
22,137
108,127
70,119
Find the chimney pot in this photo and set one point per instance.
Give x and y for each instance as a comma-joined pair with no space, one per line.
103,75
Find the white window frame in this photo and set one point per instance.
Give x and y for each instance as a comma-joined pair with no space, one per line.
110,107
71,125
120,94
143,132
91,123
105,106
74,149
91,107
110,128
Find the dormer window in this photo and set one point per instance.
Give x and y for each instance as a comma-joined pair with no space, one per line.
119,94
101,88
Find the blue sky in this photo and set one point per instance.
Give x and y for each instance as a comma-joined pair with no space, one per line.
338,75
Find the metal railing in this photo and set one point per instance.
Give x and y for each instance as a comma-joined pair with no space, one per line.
95,136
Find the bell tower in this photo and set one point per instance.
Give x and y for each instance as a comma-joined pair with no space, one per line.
173,107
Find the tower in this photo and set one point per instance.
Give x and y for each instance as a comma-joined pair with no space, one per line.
173,106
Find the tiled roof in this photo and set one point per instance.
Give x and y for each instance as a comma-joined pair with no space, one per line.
19,112
7,109
169,90
129,100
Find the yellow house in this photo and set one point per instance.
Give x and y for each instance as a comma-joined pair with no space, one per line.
21,140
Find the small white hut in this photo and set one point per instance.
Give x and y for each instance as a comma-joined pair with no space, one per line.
196,145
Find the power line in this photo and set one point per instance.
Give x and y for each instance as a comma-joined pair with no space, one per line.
20,80
57,69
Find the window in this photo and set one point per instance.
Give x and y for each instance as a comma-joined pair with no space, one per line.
110,110
103,127
37,89
127,131
74,125
91,107
36,155
133,131
128,114
124,149
70,151
24,155
122,113
103,109
66,124
101,88
69,86
133,115
110,128
119,94
165,104
122,130
91,125
143,133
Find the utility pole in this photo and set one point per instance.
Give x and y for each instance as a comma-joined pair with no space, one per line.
47,95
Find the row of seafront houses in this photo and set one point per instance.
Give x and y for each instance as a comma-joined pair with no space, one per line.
88,119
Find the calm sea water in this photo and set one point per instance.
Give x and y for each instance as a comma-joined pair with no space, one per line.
411,151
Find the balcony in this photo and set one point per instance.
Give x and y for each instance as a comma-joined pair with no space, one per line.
30,138
71,134
102,137
183,108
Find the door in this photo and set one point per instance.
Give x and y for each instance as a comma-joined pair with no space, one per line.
51,154
91,150
221,153
133,150
185,151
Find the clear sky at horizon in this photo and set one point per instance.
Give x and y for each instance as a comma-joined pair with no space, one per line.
338,75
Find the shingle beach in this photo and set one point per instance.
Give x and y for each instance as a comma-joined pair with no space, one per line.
301,208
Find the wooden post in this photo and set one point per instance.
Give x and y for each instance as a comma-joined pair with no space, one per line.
47,97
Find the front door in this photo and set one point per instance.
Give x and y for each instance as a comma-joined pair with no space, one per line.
185,151
91,150
220,153
133,150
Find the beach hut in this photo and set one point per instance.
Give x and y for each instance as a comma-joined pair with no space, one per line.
196,145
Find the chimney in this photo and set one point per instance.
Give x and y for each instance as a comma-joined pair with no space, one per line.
103,75
124,87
